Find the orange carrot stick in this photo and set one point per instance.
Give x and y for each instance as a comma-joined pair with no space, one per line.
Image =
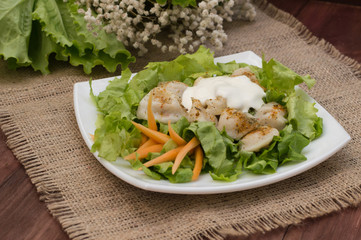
151,120
148,143
143,140
166,157
198,164
144,152
189,146
92,136
175,137
156,136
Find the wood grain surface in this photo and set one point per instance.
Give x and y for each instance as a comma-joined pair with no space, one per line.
24,216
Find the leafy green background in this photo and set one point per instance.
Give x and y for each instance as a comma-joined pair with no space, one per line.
32,30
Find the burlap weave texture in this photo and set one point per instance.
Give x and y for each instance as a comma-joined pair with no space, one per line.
37,115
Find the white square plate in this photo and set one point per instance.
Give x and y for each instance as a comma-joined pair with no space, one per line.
333,138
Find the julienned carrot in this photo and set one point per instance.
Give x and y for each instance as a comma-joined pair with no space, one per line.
189,146
151,120
144,152
198,164
148,143
156,136
166,157
92,136
175,137
143,140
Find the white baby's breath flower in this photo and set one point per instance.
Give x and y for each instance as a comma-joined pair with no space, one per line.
138,22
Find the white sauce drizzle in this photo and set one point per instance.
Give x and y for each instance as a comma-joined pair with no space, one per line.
240,92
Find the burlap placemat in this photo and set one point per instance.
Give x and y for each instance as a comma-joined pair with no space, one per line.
38,119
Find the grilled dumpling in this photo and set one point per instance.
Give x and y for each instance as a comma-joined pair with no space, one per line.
258,138
166,102
272,114
236,123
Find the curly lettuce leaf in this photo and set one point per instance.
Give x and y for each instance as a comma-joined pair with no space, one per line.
56,21
119,97
291,146
211,141
61,21
256,165
264,163
182,175
220,152
15,31
230,67
115,136
180,69
302,115
164,170
180,126
63,31
287,148
104,46
41,46
275,76
145,81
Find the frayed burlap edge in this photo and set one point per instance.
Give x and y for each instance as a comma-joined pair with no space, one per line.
282,219
297,215
48,190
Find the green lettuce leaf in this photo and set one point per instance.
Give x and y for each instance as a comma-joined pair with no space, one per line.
145,81
119,97
182,175
275,76
116,136
62,31
212,142
265,162
220,152
182,3
180,126
61,21
257,165
185,3
152,174
284,149
15,31
180,69
41,46
169,145
291,146
56,21
302,115
230,67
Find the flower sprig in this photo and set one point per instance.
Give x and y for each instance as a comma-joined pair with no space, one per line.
188,23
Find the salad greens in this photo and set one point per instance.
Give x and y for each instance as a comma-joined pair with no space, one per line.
182,3
116,136
32,30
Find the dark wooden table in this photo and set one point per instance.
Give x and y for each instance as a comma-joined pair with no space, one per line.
24,216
